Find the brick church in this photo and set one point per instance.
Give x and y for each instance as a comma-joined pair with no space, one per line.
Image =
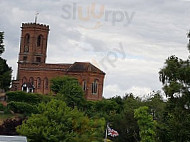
34,74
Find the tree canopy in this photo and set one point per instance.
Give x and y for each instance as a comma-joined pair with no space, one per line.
68,89
58,123
176,85
5,70
2,49
146,124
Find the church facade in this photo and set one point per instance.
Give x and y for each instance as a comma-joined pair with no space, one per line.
34,74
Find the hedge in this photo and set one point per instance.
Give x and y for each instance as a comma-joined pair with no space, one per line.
30,98
22,107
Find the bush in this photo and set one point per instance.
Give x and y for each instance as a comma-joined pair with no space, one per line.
22,107
1,107
6,110
30,98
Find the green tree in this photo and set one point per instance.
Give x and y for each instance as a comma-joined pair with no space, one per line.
125,123
156,105
176,83
105,108
5,70
58,123
157,108
1,43
146,124
68,89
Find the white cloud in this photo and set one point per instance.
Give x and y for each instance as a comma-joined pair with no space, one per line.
113,90
157,30
139,91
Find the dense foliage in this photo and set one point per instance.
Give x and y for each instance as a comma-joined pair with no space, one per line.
69,90
176,85
146,124
22,107
1,107
61,114
31,98
2,49
5,70
58,123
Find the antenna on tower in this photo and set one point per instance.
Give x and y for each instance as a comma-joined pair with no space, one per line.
36,17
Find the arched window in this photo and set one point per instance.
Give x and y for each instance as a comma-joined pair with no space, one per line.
95,87
31,80
46,83
39,82
26,42
84,85
27,39
24,80
39,40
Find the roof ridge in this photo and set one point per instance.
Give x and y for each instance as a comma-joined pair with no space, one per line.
84,67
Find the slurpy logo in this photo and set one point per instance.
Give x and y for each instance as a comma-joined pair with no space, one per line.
111,58
93,16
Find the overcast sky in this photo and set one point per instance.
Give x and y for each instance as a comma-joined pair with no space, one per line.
128,39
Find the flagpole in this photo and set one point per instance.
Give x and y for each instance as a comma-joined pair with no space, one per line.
105,140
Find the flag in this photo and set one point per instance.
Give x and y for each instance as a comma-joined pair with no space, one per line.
112,132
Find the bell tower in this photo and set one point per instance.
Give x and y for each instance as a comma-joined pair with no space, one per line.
33,44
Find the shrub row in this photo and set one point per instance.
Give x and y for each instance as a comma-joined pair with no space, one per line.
22,107
30,98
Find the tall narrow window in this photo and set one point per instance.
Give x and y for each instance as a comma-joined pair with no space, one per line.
31,80
38,82
27,39
46,83
84,85
95,87
26,42
39,40
24,80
